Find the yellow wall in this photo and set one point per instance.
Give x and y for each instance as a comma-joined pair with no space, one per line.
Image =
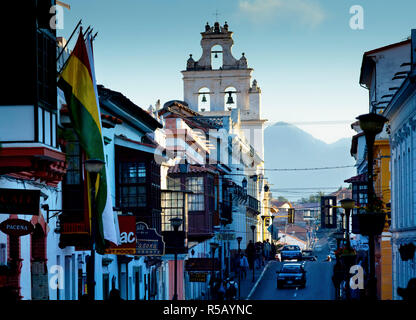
382,189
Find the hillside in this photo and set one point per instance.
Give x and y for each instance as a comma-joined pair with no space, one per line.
287,146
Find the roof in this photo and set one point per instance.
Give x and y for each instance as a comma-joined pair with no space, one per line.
368,63
128,106
342,194
307,205
390,46
357,179
280,204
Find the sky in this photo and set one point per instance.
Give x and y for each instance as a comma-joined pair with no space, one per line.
305,55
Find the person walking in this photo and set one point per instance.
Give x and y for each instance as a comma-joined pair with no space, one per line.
273,251
231,289
251,254
243,266
267,250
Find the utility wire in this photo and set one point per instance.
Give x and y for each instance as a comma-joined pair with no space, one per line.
309,169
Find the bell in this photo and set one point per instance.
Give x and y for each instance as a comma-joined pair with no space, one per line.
230,99
204,99
216,55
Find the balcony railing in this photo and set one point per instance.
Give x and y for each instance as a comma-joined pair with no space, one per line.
253,204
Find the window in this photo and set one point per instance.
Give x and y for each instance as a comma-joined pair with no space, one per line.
132,184
173,205
73,158
195,200
174,183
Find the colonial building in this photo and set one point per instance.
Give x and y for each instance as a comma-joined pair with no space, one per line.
401,112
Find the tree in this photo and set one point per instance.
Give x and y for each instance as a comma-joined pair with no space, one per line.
313,198
282,199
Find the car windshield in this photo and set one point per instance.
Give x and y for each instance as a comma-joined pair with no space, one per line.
291,248
291,269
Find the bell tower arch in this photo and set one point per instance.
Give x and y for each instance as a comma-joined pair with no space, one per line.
217,43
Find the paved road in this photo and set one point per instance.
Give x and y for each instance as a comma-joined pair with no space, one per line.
318,280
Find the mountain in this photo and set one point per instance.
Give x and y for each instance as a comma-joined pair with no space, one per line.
287,146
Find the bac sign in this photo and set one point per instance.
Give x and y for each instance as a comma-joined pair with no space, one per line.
16,227
18,201
127,225
148,241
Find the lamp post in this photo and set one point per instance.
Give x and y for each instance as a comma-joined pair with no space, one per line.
253,227
93,167
213,246
239,266
176,223
371,124
347,204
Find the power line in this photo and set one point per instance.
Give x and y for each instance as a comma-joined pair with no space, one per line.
310,169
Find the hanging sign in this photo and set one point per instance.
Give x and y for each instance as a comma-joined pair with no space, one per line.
198,276
148,241
19,201
127,225
16,227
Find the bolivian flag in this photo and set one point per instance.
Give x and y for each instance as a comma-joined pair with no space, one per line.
77,81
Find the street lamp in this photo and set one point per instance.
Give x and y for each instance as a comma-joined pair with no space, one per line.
239,266
347,204
253,227
213,246
93,167
339,235
176,223
371,124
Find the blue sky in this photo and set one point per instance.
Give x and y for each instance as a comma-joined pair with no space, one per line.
305,56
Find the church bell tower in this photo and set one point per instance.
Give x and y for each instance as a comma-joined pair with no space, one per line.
218,82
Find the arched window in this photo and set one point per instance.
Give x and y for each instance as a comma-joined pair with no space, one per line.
216,57
204,101
230,98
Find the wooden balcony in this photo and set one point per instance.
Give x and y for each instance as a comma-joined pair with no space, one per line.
253,205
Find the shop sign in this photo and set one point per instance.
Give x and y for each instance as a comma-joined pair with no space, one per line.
225,236
148,241
19,201
202,264
16,227
198,276
127,226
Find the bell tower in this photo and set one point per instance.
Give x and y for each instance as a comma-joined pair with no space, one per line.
218,82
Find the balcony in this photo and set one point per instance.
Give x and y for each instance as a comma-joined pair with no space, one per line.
253,205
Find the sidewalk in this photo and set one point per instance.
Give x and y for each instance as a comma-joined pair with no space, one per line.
247,284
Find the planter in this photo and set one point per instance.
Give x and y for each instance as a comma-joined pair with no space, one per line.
407,251
370,223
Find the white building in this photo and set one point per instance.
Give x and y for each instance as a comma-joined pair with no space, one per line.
401,112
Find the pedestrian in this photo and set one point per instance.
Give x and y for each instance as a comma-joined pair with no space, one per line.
267,249
243,266
114,295
408,293
231,289
251,254
220,290
273,251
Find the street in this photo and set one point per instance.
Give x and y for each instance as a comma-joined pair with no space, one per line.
318,280
318,284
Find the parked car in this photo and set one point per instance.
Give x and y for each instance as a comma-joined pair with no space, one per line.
291,274
307,255
290,252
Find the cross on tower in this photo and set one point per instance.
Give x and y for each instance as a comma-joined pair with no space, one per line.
216,15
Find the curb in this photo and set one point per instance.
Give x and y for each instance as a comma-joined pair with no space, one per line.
258,281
